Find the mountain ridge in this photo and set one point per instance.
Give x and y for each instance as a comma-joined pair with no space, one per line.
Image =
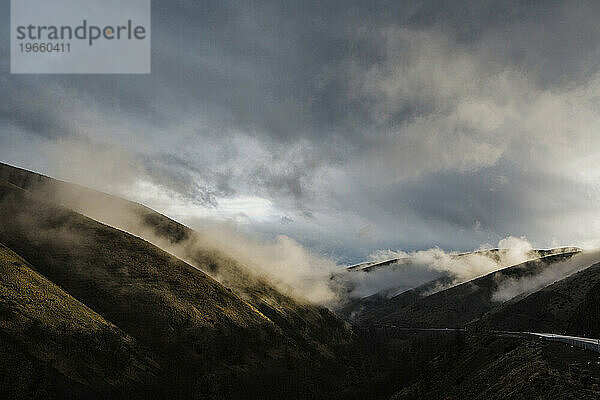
197,326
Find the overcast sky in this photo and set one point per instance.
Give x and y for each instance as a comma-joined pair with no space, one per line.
349,126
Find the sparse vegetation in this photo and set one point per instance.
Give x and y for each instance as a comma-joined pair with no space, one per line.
454,307
90,311
200,331
64,337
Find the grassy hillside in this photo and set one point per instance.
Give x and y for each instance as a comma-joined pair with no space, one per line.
99,312
46,330
372,308
457,306
311,326
569,306
491,367
586,318
379,305
210,340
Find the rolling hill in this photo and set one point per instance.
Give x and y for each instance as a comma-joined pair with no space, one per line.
498,368
458,305
209,340
567,306
374,307
45,329
303,321
379,306
101,297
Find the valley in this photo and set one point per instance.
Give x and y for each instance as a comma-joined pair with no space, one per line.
106,298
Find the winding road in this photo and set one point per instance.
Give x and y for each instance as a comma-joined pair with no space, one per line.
584,343
576,341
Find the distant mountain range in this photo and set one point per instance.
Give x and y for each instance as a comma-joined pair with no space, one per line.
551,292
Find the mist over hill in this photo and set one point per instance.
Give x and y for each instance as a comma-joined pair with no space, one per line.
195,325
336,200
106,298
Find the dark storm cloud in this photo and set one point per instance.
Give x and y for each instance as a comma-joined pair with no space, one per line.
449,123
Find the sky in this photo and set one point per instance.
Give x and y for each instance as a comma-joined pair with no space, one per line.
349,126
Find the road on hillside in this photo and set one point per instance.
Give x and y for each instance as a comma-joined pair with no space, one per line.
577,341
584,343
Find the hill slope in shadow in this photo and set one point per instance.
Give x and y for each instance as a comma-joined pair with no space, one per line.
366,310
210,341
459,305
311,325
568,306
44,329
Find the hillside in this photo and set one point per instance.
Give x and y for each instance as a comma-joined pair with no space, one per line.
460,304
43,326
372,308
105,298
365,310
569,306
312,326
491,367
207,336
